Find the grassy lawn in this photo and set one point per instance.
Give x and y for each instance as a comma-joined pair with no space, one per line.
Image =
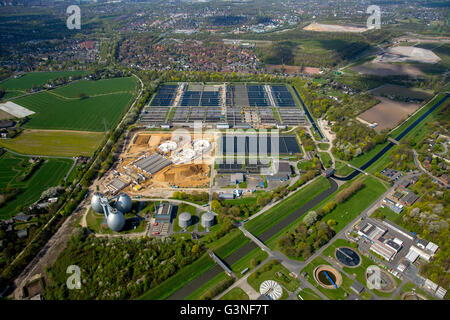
324,146
235,294
49,174
266,220
269,272
37,79
96,113
326,159
344,212
208,285
55,143
179,279
92,88
391,215
94,221
309,294
334,294
257,254
342,169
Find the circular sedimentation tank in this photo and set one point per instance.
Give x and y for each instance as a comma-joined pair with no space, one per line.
411,295
379,279
184,220
201,146
124,203
115,220
96,203
167,146
327,275
348,257
271,289
207,220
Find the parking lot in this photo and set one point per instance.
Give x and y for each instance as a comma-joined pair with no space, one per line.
254,181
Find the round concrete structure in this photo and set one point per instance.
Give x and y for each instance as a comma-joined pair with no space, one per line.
201,146
115,221
271,289
167,146
379,279
347,257
124,203
322,275
208,220
96,202
184,220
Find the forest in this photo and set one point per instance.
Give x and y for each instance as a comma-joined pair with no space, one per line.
117,268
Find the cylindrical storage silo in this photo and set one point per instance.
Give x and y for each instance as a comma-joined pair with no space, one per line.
207,220
184,220
96,202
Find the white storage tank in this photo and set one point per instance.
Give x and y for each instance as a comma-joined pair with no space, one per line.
115,220
184,220
208,220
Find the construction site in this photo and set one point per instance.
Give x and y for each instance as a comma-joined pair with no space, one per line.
156,160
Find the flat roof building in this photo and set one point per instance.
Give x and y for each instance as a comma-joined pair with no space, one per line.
164,212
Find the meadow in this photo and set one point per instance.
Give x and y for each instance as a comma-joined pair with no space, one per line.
59,110
55,143
36,79
48,175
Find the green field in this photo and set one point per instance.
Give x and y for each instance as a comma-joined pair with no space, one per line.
55,143
96,113
235,294
100,87
342,169
36,79
262,274
344,212
324,146
258,255
269,218
326,159
48,175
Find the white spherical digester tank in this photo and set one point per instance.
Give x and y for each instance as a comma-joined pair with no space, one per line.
96,203
115,221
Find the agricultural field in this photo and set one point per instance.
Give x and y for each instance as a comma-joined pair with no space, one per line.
64,112
388,113
402,92
36,79
49,174
55,143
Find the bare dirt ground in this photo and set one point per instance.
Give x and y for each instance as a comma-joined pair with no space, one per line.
287,69
403,92
386,69
406,54
185,175
333,28
388,113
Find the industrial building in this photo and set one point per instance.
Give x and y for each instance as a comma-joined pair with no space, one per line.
387,248
164,212
152,164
